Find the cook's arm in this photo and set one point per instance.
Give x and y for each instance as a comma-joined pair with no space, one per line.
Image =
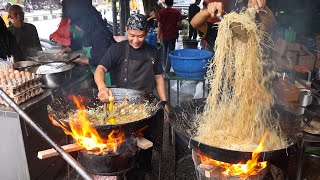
161,87
104,92
99,77
180,25
199,21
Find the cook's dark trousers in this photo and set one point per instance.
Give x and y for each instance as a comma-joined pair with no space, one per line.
192,33
155,134
168,46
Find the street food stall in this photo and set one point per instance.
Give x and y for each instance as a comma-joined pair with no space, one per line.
260,119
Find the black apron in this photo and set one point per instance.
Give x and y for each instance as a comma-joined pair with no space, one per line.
135,74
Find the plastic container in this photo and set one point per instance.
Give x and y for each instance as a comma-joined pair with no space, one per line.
190,63
152,37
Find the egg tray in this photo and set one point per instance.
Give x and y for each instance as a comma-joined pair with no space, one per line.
16,92
5,67
24,96
16,83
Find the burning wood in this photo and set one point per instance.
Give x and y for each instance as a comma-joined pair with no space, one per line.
215,173
242,170
52,152
142,143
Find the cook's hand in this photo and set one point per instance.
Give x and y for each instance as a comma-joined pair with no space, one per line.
82,61
215,9
64,50
152,15
105,95
257,4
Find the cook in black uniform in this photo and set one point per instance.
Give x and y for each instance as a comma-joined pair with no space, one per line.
132,64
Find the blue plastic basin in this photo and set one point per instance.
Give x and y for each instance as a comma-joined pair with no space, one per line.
190,63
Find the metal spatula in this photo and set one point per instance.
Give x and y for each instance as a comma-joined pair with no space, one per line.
68,61
109,118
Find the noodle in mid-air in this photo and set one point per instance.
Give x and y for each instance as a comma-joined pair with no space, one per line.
238,107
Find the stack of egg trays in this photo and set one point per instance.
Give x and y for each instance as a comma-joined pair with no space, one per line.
21,90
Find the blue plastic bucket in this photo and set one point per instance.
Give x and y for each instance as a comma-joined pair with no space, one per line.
190,63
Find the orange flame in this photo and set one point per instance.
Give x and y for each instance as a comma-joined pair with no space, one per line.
250,168
84,133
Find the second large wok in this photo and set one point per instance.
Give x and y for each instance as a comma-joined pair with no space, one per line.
61,105
182,120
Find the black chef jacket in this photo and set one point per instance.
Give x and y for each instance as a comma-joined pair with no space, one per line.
114,59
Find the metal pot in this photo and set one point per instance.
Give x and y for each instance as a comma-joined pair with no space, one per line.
305,98
54,79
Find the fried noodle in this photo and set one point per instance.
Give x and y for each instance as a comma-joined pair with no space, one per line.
123,112
238,107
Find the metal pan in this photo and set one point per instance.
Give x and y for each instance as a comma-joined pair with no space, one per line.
61,105
49,55
21,65
186,130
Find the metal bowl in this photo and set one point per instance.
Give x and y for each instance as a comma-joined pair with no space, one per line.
55,78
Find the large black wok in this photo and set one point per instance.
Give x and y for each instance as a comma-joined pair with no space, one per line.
182,120
61,105
311,119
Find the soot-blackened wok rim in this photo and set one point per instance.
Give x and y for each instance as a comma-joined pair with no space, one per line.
119,125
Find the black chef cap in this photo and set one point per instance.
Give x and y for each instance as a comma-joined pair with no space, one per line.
137,22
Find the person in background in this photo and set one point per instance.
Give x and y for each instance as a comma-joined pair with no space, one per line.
193,10
62,35
8,45
169,21
26,34
90,32
138,67
152,18
205,20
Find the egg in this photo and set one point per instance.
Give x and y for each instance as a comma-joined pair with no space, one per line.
22,72
1,76
5,73
28,74
1,73
17,76
11,75
16,72
3,80
10,70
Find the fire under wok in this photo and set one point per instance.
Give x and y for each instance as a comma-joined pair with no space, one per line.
61,105
182,119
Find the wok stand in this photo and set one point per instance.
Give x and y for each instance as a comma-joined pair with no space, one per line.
67,157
